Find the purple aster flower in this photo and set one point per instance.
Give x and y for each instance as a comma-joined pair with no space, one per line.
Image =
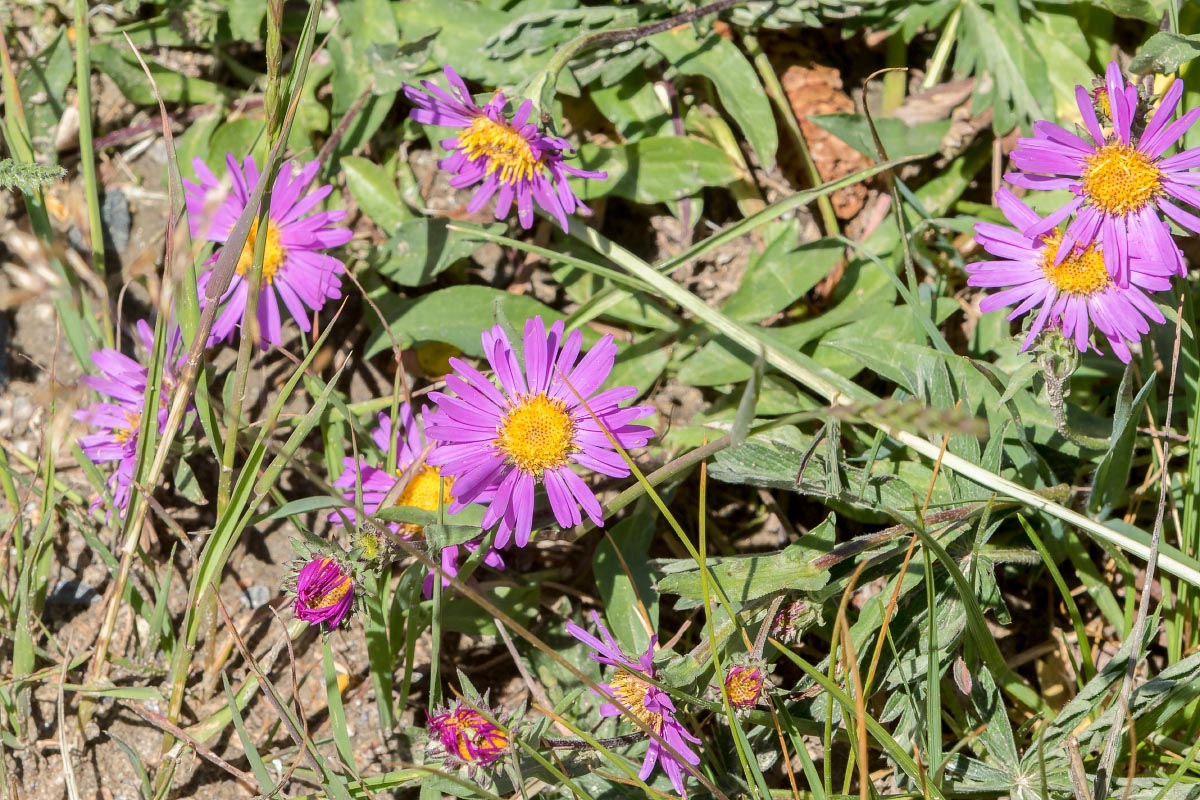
123,380
1120,178
294,269
510,158
499,444
425,489
1073,291
463,735
643,700
324,592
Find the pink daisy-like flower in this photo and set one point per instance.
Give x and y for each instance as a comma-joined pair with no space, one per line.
501,443
1120,178
1073,291
510,158
641,699
464,736
324,592
425,489
294,270
123,380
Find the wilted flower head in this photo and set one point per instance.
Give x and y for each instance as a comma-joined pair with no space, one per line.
1120,178
427,488
500,444
123,380
295,271
1073,291
324,592
642,699
511,159
464,736
744,684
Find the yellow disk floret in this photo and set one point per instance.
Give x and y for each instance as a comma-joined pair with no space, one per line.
537,434
273,256
631,691
506,150
1080,273
1120,179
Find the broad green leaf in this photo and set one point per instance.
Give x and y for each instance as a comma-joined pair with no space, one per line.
782,273
736,82
899,138
455,315
656,169
375,192
633,107
246,20
420,249
1165,52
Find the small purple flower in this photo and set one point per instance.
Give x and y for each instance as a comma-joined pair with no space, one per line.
123,380
744,684
499,445
643,700
425,489
1073,291
511,159
464,736
294,270
1120,178
324,592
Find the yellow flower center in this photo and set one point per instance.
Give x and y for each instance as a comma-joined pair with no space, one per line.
631,691
537,434
273,256
1120,179
135,423
744,686
1080,273
507,151
334,593
1100,98
424,491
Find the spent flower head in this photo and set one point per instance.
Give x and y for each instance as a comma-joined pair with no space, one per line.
511,159
643,700
324,585
500,444
1074,291
123,381
464,736
295,270
1123,180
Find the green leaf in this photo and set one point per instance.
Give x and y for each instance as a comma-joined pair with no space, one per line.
899,138
455,315
1165,52
747,578
782,273
633,107
997,42
622,570
175,87
375,192
1112,474
736,82
1146,10
246,20
656,169
421,249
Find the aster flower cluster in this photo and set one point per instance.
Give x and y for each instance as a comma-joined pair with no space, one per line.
1116,248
